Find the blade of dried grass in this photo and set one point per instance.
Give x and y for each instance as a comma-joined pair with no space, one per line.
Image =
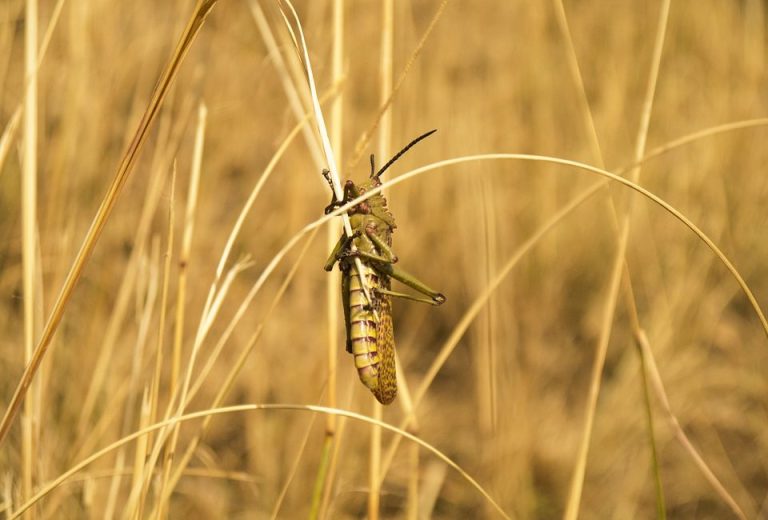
30,254
8,134
661,508
333,280
13,123
234,371
323,468
295,101
202,9
128,407
184,258
140,455
478,304
45,490
677,214
335,456
589,124
166,136
577,478
579,199
323,131
653,372
384,145
159,355
217,294
362,143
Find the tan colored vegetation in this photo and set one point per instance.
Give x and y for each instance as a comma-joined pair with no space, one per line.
576,305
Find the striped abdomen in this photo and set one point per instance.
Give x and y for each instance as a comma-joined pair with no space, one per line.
371,340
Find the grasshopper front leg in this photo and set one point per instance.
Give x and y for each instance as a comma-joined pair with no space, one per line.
343,241
386,256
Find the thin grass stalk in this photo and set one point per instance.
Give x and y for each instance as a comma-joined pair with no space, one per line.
219,292
362,143
340,430
432,167
122,301
216,294
148,466
296,104
201,11
575,70
295,101
677,214
170,422
128,407
469,316
630,301
322,472
13,122
655,377
31,418
577,479
189,225
8,134
167,260
333,280
184,257
293,471
164,433
661,508
374,463
412,503
149,295
142,445
235,370
609,309
406,402
484,352
629,296
301,46
483,349
383,148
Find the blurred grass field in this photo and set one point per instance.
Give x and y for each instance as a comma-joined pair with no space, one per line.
509,403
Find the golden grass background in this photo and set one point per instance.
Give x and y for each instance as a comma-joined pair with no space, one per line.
509,404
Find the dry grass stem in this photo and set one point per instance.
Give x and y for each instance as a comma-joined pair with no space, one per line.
592,359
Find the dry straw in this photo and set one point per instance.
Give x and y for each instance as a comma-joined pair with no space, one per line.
157,441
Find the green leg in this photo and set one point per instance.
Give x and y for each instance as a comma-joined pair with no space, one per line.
367,256
411,281
335,253
405,296
386,257
386,251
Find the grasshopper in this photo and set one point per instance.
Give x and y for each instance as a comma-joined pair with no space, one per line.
370,335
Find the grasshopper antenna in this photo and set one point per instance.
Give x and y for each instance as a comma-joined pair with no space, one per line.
399,154
373,168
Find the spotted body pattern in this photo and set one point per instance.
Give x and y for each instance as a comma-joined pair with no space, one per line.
370,333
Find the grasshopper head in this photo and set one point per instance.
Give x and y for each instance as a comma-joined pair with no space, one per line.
375,205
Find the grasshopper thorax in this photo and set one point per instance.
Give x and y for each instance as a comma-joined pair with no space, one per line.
375,205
